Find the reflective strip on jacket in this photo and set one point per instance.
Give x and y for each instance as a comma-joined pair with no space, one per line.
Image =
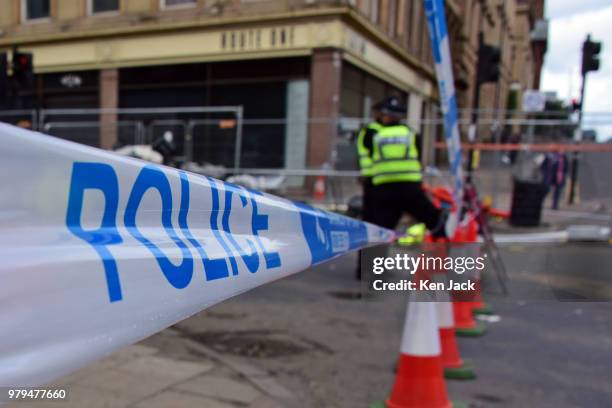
365,156
395,157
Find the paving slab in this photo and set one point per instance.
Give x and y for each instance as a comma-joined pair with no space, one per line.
131,386
222,388
176,399
267,402
165,367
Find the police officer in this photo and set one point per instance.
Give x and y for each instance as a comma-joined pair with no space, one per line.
365,162
396,173
365,167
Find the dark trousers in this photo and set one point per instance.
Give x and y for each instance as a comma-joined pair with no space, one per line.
391,200
367,214
387,203
557,193
367,210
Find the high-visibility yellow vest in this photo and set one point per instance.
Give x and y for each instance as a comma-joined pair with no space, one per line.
365,157
395,156
414,235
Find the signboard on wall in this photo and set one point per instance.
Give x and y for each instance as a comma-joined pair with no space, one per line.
534,101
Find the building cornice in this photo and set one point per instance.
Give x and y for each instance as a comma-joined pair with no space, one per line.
169,26
363,24
347,14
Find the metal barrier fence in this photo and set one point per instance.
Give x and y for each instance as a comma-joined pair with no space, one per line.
217,129
24,118
219,141
88,133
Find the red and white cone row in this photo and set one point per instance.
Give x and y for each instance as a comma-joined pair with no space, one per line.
419,380
454,367
319,189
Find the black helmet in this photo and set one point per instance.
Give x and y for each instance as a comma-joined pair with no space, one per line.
391,106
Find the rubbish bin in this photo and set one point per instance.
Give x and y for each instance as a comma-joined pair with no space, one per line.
527,199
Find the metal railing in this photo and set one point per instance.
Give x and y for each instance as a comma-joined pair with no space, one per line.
136,125
223,138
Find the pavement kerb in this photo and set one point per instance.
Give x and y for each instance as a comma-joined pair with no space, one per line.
257,377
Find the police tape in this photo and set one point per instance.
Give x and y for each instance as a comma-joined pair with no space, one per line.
438,34
100,251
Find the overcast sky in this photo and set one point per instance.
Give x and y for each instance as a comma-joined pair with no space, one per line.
569,23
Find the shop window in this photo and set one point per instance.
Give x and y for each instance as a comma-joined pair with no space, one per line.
103,6
35,9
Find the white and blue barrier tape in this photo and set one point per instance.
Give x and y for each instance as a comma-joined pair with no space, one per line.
438,33
99,251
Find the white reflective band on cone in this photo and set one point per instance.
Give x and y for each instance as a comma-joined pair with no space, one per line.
444,305
420,337
99,251
445,315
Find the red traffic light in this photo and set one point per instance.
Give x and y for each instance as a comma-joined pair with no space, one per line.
24,61
23,73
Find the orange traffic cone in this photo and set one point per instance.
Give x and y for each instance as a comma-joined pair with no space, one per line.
471,233
465,325
419,381
478,304
479,307
454,367
319,188
463,304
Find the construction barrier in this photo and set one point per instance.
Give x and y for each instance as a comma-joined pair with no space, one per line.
100,251
536,147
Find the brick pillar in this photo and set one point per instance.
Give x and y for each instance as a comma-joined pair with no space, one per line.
109,99
325,69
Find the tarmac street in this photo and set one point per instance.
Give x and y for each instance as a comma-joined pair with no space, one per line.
312,340
184,185
541,353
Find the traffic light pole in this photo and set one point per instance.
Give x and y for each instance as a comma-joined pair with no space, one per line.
22,77
574,167
590,62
